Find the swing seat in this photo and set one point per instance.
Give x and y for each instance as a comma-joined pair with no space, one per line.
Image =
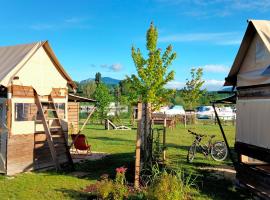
80,143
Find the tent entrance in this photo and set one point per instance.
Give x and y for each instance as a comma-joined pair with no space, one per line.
228,100
3,135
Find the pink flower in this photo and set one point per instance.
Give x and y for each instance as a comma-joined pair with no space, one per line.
121,170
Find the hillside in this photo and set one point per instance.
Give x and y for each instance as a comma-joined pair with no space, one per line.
105,80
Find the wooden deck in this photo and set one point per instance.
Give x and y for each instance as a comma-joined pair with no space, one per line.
256,178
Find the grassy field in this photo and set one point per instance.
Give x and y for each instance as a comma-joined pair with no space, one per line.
121,147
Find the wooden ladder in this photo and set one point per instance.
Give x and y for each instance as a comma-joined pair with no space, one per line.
53,132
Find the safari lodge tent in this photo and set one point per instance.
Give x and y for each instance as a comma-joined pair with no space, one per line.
250,74
34,109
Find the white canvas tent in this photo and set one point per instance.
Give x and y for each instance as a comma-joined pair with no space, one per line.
34,108
250,74
251,65
250,70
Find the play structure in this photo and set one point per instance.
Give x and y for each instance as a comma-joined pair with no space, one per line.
35,109
250,75
109,124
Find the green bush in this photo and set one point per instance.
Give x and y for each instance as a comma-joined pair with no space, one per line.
110,190
167,187
104,189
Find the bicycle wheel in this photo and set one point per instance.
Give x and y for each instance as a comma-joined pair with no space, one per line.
191,153
219,151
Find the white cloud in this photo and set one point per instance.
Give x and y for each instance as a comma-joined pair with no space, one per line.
213,85
69,23
215,68
116,67
261,5
216,8
175,85
210,85
219,38
75,20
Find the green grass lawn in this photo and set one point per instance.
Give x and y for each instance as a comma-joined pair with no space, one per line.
121,147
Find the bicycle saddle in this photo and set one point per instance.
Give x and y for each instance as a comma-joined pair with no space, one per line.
212,136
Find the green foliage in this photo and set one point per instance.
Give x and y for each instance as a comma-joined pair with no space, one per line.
192,91
104,98
169,185
104,189
98,78
88,89
157,146
112,190
152,72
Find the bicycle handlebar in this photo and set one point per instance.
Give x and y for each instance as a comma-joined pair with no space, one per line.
193,133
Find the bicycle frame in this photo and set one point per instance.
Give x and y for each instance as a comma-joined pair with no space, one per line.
205,148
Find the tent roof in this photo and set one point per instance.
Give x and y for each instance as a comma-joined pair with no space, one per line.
228,100
13,58
262,27
73,97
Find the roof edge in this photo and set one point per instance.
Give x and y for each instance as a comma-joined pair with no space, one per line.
59,67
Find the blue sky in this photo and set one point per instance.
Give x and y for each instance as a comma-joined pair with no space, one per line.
91,36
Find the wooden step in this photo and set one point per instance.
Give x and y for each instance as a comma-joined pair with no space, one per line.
55,127
56,143
49,109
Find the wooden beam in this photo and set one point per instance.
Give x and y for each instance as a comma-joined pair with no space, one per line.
87,119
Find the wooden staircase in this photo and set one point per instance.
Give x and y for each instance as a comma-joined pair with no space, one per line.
55,136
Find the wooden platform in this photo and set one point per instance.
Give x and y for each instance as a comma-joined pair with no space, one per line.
256,178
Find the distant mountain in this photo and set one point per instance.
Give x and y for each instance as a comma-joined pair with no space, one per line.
105,80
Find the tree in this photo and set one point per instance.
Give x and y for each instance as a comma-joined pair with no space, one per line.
103,98
88,89
192,92
152,72
98,78
148,84
128,97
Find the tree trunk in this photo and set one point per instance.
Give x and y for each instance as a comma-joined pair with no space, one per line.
138,149
143,143
146,146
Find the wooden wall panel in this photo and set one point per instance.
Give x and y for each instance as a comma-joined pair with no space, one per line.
31,152
73,116
27,91
20,153
42,154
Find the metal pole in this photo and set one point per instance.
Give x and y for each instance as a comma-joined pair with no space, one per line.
224,137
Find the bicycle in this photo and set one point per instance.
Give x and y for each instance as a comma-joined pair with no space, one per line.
217,149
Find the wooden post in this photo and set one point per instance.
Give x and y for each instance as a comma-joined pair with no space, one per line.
9,111
185,119
138,148
164,144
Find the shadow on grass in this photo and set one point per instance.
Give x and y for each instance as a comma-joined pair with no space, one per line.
221,188
107,165
112,139
75,194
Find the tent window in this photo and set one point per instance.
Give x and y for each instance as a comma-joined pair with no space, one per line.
25,111
61,110
261,53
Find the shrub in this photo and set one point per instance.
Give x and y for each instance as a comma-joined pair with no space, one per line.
168,184
104,189
166,187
